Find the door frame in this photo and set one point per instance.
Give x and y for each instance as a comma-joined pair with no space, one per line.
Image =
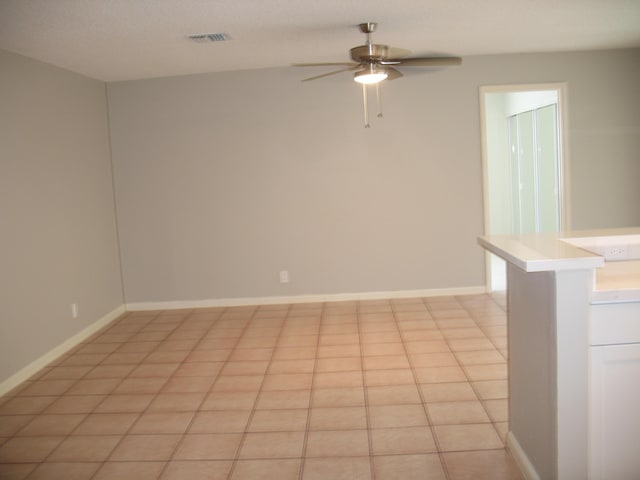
563,124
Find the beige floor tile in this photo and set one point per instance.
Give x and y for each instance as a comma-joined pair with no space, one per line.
492,389
487,372
393,395
28,449
480,357
47,388
338,351
51,425
213,446
437,359
124,403
290,339
208,356
245,368
277,400
283,420
229,400
382,349
272,445
106,424
251,354
375,378
498,410
10,424
79,448
338,379
337,443
146,448
457,413
130,471
344,364
26,405
139,385
98,386
338,397
447,392
294,353
418,346
402,440
337,468
176,402
63,471
199,369
197,470
238,383
68,404
188,384
266,469
470,344
163,422
110,371
220,421
287,381
62,373
487,465
440,374
467,437
386,362
17,471
211,371
291,366
339,339
388,416
338,418
409,467
380,336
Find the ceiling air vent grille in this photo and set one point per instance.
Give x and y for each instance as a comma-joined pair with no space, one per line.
209,37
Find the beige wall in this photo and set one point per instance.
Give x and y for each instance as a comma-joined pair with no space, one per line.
222,180
58,241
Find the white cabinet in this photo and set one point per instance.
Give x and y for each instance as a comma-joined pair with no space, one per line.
615,412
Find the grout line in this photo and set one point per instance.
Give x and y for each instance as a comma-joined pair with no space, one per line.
234,462
311,391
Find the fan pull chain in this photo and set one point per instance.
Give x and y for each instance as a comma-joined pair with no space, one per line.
379,99
366,106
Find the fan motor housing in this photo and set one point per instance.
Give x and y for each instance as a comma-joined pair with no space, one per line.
369,53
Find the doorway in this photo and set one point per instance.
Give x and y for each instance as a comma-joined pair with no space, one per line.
525,164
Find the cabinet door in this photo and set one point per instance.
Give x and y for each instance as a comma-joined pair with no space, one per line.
615,412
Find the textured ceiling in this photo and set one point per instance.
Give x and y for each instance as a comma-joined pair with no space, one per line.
130,39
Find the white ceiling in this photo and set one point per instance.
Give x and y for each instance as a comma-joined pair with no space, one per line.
130,39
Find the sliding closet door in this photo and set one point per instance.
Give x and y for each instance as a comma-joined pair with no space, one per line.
533,148
548,174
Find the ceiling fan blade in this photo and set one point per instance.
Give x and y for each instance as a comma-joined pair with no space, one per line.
423,61
327,64
331,73
395,52
392,73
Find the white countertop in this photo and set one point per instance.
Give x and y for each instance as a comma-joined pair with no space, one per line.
614,281
540,252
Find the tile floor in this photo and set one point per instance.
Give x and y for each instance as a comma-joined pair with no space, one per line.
388,389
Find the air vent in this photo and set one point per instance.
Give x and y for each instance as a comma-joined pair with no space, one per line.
209,37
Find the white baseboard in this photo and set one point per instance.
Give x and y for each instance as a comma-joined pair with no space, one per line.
521,459
26,372
337,297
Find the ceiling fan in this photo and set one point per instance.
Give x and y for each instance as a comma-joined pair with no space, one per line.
374,63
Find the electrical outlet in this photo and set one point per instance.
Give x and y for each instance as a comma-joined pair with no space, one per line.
284,276
74,310
616,252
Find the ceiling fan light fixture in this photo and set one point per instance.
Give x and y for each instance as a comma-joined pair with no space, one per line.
370,76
